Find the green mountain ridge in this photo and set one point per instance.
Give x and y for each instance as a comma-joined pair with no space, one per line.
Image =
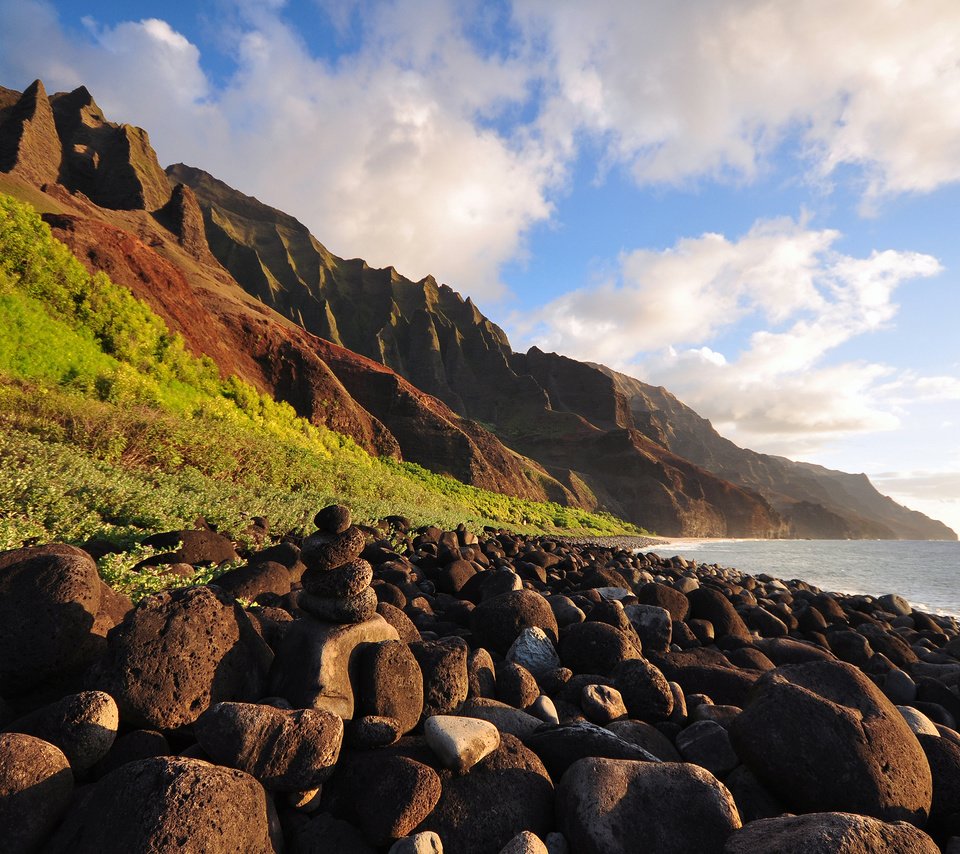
410,369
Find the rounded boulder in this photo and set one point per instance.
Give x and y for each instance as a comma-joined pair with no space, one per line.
286,750
49,600
497,622
177,653
604,806
824,738
167,804
35,788
836,832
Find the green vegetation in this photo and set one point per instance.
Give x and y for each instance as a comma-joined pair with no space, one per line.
110,429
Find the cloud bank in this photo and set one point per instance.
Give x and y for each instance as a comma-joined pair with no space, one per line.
807,300
442,138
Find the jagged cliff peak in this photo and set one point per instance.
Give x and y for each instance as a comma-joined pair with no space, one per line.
66,139
29,145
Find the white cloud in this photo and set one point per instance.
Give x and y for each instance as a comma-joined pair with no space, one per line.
713,87
393,152
785,281
386,155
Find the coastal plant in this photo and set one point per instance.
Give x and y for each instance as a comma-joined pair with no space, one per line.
111,429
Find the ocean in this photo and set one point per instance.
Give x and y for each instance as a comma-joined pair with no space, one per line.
924,572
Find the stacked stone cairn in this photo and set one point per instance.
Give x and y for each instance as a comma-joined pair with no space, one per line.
336,583
438,691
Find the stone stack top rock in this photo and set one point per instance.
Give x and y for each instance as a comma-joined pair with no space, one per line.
336,583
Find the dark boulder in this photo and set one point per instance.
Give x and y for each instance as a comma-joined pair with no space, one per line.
177,653
391,683
709,604
322,551
49,599
196,547
35,788
665,597
944,758
497,622
333,519
503,794
645,690
607,806
169,804
443,664
596,648
560,746
82,725
824,738
286,750
833,832
383,794
249,582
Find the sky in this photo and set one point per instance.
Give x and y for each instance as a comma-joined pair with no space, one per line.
750,202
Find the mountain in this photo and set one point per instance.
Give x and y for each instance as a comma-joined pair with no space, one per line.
816,501
408,369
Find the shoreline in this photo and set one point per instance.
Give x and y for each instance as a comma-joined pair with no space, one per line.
500,682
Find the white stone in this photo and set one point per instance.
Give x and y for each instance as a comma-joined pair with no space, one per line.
918,721
614,594
525,842
426,842
460,743
543,707
534,650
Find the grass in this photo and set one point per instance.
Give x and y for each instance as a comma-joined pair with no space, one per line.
110,429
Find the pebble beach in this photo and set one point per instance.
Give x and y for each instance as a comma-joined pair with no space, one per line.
379,690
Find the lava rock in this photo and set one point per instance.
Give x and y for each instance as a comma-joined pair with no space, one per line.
497,622
560,746
507,792
318,664
49,600
391,683
824,738
645,690
177,653
596,648
345,581
35,789
287,751
444,667
255,579
834,832
167,804
82,725
605,806
334,609
333,519
323,551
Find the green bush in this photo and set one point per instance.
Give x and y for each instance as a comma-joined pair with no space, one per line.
110,428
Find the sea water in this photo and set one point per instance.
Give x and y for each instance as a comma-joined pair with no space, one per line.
927,573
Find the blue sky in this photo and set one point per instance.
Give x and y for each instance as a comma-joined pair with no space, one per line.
751,202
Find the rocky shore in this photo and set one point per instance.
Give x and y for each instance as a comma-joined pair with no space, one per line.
384,689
